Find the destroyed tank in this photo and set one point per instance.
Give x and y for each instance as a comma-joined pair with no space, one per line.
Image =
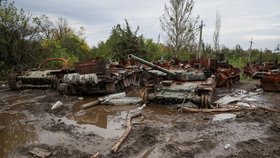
96,76
38,77
177,86
271,81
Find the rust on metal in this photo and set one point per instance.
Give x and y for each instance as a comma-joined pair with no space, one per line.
271,82
259,70
97,76
65,62
38,77
97,66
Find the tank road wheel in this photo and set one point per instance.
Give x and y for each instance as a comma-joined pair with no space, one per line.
202,101
55,83
206,100
13,82
62,88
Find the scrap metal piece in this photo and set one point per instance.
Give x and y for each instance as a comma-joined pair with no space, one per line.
124,101
42,153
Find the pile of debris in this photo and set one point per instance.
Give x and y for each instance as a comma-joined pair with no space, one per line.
267,72
259,70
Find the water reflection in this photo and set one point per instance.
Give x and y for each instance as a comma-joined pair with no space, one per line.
15,134
98,115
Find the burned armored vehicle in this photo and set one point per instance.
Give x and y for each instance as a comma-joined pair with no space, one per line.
96,76
271,81
259,70
226,75
176,86
39,77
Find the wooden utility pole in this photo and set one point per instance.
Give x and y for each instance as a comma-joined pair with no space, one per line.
200,41
250,49
261,61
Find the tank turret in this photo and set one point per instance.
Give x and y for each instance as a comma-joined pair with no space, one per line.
176,75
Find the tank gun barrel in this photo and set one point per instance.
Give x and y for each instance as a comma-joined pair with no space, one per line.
142,61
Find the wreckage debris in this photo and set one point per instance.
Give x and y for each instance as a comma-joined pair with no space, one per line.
124,101
111,96
42,153
226,100
271,82
227,146
258,71
222,117
90,104
57,105
113,99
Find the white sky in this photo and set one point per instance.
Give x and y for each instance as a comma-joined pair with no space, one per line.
241,19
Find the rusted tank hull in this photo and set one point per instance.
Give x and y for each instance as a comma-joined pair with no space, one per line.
271,82
198,92
38,77
176,86
258,71
226,77
95,84
96,76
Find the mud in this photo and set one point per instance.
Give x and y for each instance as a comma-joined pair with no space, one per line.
69,131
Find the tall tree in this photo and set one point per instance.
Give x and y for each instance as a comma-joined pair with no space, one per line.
179,25
216,34
18,36
122,42
60,40
277,49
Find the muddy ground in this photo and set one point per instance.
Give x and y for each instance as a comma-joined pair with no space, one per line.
26,122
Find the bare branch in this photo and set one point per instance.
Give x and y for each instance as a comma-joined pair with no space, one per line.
216,34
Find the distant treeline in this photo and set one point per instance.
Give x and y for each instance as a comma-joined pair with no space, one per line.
25,41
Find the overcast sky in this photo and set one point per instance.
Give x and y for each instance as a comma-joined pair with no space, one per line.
241,19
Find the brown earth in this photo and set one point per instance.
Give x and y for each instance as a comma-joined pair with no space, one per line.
165,132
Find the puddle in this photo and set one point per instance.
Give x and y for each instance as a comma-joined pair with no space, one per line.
222,117
107,121
16,133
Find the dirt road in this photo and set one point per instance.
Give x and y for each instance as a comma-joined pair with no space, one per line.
26,122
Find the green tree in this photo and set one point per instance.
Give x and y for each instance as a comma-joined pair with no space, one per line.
60,40
121,42
156,51
18,36
179,25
